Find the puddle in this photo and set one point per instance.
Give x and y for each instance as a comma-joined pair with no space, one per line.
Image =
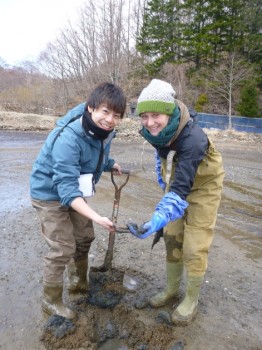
130,283
113,344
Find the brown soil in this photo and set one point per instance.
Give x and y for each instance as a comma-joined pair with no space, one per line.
230,303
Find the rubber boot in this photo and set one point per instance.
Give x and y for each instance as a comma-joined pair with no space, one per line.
174,275
77,276
188,308
52,302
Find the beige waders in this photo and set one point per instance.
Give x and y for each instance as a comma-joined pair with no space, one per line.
188,239
69,236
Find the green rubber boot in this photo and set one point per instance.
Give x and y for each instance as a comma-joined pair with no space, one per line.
174,274
188,308
77,276
52,302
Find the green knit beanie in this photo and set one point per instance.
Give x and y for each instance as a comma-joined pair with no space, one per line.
158,97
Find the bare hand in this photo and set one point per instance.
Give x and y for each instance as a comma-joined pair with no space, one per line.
107,224
117,169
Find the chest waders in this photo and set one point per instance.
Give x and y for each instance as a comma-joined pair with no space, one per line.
174,269
69,236
188,239
78,266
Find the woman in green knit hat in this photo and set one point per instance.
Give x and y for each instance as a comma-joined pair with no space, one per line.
190,172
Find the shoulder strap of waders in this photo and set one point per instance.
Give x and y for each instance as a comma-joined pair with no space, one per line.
169,164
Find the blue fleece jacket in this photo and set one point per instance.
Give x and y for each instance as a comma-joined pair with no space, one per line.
61,160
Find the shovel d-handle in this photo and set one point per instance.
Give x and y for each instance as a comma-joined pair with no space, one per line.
109,253
118,189
124,172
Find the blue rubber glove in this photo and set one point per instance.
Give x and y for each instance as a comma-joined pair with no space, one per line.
160,180
170,208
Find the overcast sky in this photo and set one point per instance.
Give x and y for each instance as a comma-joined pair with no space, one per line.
26,26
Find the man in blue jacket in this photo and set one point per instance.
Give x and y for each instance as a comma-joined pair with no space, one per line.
66,170
190,172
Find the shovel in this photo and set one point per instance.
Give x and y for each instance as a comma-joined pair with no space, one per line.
106,283
107,265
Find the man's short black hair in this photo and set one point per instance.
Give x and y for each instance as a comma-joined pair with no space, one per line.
109,94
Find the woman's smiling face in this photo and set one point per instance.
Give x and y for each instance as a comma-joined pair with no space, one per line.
104,117
154,122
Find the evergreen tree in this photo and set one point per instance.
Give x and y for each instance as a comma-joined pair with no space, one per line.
159,35
252,48
213,28
199,31
248,105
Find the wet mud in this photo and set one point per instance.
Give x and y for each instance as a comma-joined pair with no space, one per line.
105,287
96,330
230,302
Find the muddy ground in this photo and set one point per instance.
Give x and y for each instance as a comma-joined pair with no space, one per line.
230,315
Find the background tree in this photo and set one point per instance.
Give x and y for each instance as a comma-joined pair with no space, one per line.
226,77
252,41
248,105
200,34
176,74
196,31
187,43
159,35
91,50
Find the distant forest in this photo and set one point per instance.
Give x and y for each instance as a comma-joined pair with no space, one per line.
210,51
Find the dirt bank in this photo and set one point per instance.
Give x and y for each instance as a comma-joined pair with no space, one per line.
230,303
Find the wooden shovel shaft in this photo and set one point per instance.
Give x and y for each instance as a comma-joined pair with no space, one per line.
109,253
